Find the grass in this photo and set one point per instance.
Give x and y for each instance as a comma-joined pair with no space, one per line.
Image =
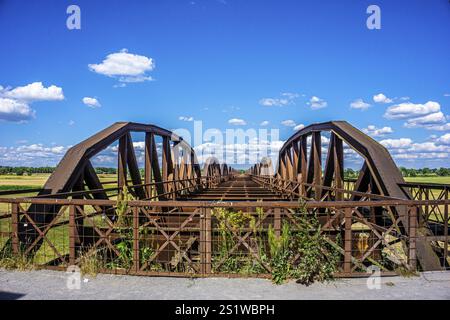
12,182
33,181
431,179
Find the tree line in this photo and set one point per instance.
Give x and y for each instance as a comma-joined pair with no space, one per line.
349,173
407,172
20,171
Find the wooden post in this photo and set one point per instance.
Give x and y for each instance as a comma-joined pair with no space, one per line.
72,235
412,261
15,227
348,241
136,257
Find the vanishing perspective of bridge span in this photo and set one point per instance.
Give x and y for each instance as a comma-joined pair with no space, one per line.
178,218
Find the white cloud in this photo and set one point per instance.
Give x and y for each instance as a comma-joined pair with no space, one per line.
290,95
184,118
127,67
15,111
15,103
406,149
377,132
288,123
271,102
71,123
237,122
381,98
299,127
359,104
445,139
428,115
397,143
428,120
317,103
446,94
34,92
264,123
287,99
409,110
439,127
32,155
240,153
91,102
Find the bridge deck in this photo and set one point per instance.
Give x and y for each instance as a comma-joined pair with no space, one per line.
238,188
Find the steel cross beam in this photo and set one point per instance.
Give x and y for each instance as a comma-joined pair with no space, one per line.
379,174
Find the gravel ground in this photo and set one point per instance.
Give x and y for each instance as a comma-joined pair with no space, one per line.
44,284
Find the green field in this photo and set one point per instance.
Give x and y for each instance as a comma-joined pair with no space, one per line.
433,179
11,182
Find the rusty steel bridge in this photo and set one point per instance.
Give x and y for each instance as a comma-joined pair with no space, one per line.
167,214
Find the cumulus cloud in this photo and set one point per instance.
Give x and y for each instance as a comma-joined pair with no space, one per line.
409,110
34,92
359,104
377,132
185,118
15,111
264,123
317,103
445,139
396,143
428,115
91,102
15,102
431,119
406,149
124,66
288,123
237,122
381,98
32,155
299,127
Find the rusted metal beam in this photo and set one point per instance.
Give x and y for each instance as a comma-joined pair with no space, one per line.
122,162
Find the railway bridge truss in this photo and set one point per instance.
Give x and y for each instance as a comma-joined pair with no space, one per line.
174,217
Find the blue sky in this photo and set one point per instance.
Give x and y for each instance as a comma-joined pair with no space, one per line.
217,60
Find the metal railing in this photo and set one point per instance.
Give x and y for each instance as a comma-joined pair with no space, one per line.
190,238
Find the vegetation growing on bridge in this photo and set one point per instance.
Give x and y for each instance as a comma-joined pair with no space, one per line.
298,252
